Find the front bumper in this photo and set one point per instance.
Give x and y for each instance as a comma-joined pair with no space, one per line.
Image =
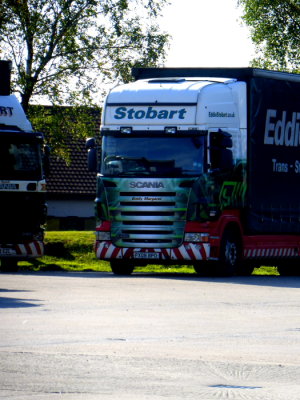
24,250
187,252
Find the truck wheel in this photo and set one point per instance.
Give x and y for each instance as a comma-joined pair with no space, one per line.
245,268
290,268
205,268
121,267
230,254
9,265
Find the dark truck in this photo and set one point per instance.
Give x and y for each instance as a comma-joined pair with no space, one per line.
200,166
22,181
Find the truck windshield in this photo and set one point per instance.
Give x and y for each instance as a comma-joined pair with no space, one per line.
155,156
20,160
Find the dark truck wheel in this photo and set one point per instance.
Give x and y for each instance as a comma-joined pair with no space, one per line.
245,268
230,253
230,260
121,267
289,268
9,265
205,268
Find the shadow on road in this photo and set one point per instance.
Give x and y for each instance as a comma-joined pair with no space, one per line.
256,280
14,302
253,280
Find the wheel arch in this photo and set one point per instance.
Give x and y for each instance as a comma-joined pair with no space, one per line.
231,223
230,220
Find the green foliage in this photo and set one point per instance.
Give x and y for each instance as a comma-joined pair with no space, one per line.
64,50
266,271
275,29
62,123
70,251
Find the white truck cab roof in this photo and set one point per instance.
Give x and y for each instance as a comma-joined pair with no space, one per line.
183,102
12,114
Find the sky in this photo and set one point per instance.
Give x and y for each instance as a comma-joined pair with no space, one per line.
206,33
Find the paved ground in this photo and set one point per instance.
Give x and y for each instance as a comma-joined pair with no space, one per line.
76,336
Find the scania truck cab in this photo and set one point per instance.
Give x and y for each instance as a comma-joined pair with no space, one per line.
22,181
176,181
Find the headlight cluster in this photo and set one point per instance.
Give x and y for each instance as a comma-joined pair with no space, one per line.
196,237
102,235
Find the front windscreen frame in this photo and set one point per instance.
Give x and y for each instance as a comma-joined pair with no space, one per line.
147,153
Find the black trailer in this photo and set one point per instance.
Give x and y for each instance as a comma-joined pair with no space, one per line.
273,143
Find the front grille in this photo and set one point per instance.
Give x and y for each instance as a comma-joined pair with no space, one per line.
148,194
148,223
147,213
147,218
137,204
153,232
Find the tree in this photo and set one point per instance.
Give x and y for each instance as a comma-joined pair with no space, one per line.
65,50
275,29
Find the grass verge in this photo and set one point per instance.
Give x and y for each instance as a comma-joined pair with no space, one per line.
73,251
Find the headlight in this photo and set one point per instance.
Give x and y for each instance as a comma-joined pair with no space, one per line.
126,130
102,235
196,237
171,129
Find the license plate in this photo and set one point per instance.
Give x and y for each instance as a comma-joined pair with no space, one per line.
147,256
7,252
9,186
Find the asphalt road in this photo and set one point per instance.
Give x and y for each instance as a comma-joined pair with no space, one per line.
94,336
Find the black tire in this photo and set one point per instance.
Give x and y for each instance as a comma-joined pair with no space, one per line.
289,268
205,268
9,265
121,267
230,253
245,268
